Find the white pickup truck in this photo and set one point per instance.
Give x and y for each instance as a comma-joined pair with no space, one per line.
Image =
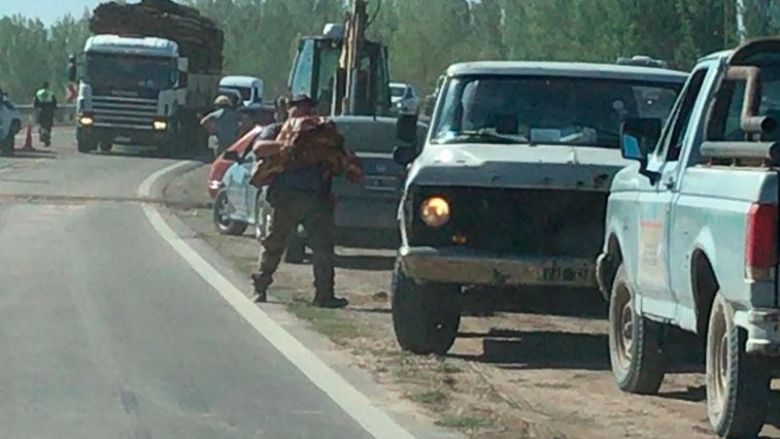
692,237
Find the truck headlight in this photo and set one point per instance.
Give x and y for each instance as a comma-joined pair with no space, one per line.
86,121
160,125
435,211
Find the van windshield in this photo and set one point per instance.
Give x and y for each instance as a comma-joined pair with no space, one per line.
551,110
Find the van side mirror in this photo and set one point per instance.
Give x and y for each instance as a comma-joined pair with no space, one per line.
406,129
72,69
638,136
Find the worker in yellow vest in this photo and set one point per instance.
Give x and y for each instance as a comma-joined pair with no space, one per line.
46,104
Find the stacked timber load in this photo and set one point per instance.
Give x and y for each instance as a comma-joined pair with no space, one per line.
198,37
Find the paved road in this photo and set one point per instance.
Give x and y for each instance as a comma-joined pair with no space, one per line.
106,332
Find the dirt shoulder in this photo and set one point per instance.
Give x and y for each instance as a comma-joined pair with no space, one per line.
538,368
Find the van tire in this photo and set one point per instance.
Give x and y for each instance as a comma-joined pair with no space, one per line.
426,316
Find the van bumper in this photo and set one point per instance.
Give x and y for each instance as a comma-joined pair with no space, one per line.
458,265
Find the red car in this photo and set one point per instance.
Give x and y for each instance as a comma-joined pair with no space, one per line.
220,165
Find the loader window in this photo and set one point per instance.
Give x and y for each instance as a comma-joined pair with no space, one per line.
301,80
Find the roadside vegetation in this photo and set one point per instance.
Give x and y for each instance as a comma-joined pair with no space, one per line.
678,31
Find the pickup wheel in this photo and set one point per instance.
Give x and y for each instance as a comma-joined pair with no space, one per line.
738,384
635,352
225,225
426,316
105,146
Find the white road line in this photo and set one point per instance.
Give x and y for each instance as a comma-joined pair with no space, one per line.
375,421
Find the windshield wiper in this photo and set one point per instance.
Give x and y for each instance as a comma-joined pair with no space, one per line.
482,135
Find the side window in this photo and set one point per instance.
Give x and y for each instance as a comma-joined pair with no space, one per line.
727,111
672,141
300,83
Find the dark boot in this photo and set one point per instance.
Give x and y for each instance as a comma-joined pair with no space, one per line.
261,286
329,301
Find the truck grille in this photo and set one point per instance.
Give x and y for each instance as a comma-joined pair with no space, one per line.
544,223
120,112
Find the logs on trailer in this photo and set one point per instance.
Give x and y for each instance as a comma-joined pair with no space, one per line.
198,37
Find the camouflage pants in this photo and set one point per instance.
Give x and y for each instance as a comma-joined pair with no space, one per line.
316,214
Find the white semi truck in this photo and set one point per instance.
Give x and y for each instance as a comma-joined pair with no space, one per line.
139,91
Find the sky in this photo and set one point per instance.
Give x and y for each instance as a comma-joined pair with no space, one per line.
47,10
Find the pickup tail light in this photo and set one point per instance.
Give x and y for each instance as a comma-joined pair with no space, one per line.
761,242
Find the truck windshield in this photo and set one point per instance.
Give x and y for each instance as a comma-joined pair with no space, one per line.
551,110
131,72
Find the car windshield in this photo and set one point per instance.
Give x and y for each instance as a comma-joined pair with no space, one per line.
551,110
131,72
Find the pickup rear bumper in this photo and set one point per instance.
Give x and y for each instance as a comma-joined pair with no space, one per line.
463,266
763,328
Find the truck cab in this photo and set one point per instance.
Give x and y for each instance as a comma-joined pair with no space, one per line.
691,237
138,91
510,187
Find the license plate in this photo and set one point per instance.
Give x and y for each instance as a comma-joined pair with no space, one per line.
566,274
122,139
380,183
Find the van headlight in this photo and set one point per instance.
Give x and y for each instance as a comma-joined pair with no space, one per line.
435,211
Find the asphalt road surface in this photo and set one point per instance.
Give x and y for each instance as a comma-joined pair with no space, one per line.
107,332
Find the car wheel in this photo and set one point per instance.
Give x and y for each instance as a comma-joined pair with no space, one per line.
105,146
426,316
225,225
738,384
635,351
296,250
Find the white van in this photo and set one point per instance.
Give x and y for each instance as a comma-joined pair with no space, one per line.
250,88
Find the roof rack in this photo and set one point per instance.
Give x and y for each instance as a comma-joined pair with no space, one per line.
642,60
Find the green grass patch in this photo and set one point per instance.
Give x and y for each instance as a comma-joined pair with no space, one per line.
430,397
465,422
326,321
449,368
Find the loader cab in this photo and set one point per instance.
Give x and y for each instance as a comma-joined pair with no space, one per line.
317,63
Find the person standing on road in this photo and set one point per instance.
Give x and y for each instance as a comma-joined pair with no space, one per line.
46,104
301,195
222,124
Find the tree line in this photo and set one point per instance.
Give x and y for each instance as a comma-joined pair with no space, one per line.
423,36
